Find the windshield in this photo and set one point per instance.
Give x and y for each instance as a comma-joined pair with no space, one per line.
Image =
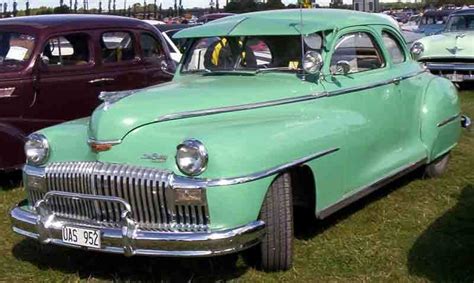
461,22
433,20
251,53
15,48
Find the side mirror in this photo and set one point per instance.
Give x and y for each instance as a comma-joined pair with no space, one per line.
165,68
312,62
343,67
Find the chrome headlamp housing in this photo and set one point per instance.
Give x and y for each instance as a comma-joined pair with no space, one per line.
416,49
191,157
36,149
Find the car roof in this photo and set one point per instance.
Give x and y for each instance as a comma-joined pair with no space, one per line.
282,22
74,21
167,27
464,12
444,12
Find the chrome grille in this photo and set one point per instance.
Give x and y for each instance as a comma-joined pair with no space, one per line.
145,189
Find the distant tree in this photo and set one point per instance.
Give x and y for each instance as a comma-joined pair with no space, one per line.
274,4
44,11
15,8
27,11
64,9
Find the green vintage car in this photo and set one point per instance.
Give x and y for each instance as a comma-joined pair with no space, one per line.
267,111
451,53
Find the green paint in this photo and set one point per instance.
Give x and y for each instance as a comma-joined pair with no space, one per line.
378,130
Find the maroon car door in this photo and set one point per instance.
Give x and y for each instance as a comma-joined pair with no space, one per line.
67,74
159,67
121,67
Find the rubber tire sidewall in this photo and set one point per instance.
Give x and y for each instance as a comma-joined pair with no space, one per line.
276,249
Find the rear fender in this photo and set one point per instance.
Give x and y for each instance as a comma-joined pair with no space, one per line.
440,117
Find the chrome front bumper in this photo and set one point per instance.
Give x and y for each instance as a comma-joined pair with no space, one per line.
456,72
43,225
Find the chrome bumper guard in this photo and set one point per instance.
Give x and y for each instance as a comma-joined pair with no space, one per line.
466,122
43,225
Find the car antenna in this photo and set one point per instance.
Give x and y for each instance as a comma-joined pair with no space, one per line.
302,38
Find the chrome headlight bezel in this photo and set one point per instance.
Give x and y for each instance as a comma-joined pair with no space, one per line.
417,48
36,149
196,166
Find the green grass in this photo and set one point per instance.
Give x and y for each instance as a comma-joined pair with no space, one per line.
411,230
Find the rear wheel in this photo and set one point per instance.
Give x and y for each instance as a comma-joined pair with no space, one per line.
276,249
438,167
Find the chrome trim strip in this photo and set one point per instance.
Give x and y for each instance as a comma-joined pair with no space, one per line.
450,66
212,111
140,242
288,100
364,191
449,120
195,183
181,182
102,142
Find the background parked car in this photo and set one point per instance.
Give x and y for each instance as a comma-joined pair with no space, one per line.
54,67
176,46
451,53
433,21
211,17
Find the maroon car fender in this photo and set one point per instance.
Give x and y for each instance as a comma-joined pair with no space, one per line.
12,140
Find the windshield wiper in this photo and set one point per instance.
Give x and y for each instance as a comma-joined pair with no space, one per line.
276,69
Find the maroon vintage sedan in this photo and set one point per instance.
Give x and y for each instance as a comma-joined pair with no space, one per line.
53,68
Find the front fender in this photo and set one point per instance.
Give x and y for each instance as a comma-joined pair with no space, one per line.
240,144
12,140
440,117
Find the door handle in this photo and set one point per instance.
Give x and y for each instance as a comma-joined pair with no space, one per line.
101,81
397,80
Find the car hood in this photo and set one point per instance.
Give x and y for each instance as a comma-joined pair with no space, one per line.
191,93
448,44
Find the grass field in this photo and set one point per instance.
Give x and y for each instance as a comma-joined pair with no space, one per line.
411,230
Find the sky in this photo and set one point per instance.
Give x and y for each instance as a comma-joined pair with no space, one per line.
120,3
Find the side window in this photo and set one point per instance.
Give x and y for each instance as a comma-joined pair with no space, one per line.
117,46
67,50
151,47
393,47
359,51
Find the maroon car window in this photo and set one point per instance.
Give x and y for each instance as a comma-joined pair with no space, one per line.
117,46
151,47
67,50
15,47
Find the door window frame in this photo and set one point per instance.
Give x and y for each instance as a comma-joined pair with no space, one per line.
62,68
161,42
376,39
401,44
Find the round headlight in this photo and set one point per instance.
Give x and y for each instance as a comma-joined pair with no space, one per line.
36,149
191,157
417,48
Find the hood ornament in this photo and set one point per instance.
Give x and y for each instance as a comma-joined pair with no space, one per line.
454,50
111,97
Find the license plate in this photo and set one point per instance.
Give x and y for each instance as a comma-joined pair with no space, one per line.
455,77
81,237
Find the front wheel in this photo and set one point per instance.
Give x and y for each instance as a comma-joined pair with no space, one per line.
276,249
438,167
